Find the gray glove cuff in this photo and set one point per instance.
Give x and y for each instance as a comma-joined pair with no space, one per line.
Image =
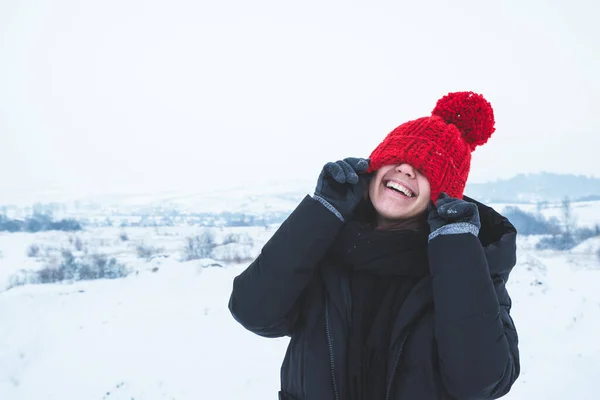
455,229
328,206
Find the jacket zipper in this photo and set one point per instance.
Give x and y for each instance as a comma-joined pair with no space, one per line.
395,368
330,345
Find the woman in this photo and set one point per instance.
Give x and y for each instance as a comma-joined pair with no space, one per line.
391,283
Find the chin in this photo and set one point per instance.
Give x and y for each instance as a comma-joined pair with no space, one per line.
398,211
397,215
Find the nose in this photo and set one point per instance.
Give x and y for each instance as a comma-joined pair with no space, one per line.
406,169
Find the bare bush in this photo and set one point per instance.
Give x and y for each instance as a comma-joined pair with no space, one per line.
233,252
199,246
241,238
582,234
50,275
567,240
33,250
557,242
531,224
230,238
103,267
78,244
70,268
147,251
19,279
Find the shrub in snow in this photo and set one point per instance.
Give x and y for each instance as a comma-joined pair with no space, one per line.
531,224
557,242
102,267
20,279
33,250
233,252
68,267
582,234
237,238
96,266
50,275
146,251
78,244
123,236
199,246
568,239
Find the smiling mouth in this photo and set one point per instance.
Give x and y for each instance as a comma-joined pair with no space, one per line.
400,189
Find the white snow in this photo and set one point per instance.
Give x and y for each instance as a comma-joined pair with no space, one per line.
556,307
169,335
165,335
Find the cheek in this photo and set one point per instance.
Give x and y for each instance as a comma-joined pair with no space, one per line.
375,181
423,203
424,187
371,188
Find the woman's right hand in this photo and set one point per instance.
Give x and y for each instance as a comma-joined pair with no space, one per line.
341,185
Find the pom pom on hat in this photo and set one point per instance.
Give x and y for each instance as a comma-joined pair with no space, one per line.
471,113
440,145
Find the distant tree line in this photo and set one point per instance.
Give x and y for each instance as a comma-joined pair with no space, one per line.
37,223
207,220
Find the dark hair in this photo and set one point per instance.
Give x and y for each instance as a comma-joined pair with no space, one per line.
365,212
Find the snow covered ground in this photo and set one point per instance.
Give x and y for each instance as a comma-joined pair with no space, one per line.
165,335
164,332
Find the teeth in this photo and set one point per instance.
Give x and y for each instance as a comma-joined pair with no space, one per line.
400,188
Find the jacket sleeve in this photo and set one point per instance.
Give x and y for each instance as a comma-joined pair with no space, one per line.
266,297
476,337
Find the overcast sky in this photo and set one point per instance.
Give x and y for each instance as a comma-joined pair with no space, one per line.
151,95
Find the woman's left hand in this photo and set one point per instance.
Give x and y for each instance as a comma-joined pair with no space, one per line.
453,216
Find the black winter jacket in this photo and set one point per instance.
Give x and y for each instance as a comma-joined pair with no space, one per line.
453,337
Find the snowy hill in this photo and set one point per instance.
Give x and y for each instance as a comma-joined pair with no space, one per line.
269,197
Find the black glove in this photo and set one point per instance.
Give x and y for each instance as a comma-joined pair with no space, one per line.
341,185
451,216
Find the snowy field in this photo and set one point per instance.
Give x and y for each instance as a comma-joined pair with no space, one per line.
164,331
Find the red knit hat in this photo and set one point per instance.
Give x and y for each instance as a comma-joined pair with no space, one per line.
440,146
